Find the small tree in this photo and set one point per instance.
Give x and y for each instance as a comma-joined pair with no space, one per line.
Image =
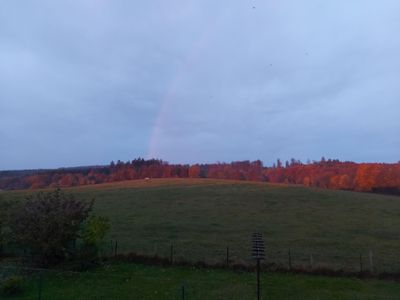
49,223
91,235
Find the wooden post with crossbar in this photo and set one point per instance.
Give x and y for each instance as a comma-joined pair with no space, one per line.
258,253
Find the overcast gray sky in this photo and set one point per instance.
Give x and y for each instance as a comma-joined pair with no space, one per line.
86,82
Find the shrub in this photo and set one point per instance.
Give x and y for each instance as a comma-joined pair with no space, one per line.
48,223
11,286
92,233
5,209
94,230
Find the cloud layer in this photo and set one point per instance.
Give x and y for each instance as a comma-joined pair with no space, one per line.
85,82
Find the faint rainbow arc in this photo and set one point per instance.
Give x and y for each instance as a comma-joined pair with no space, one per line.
170,95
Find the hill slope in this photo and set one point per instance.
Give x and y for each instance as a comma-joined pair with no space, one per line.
201,217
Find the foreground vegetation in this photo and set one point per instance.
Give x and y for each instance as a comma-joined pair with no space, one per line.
135,281
51,227
201,217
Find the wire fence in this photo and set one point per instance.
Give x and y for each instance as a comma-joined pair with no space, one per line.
366,261
44,283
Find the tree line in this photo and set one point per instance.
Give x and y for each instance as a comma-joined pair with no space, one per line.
326,173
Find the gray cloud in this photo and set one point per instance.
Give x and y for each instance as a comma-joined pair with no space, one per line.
84,82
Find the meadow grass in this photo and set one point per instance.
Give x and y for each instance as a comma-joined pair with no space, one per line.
135,281
201,217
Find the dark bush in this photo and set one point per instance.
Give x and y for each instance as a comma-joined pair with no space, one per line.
92,234
48,225
11,286
5,210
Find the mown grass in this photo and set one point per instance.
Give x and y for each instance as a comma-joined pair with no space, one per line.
135,281
201,217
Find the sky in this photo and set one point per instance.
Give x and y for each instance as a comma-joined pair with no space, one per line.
84,82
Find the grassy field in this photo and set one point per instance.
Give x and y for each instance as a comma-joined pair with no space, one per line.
134,281
201,217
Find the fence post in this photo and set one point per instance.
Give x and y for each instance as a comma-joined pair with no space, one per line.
116,248
290,259
311,261
172,254
227,256
361,263
258,280
371,261
258,253
183,291
40,285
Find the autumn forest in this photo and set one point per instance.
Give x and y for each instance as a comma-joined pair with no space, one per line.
326,173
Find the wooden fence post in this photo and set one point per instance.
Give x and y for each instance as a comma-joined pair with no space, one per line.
183,291
371,261
40,285
311,261
116,248
227,256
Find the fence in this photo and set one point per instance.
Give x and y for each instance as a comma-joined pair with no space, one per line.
366,261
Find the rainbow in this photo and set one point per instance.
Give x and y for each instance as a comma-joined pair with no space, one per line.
168,101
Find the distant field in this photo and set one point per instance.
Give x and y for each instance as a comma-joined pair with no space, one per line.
134,281
201,217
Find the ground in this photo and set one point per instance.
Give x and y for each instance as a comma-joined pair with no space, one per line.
135,281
